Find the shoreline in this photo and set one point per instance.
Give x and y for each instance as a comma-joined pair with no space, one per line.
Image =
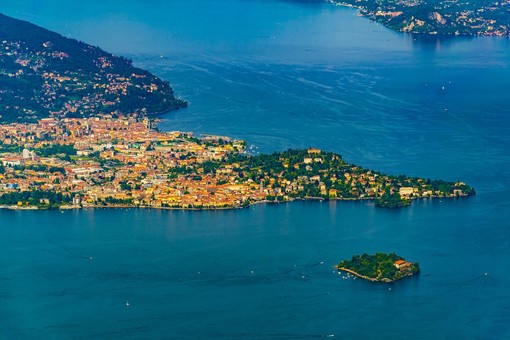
385,280
15,207
359,9
129,206
154,115
342,269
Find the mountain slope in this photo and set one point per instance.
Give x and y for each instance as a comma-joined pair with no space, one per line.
43,73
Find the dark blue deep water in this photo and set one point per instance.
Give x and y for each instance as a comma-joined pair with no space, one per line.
282,74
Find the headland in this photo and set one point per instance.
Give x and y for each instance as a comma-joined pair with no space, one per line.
111,162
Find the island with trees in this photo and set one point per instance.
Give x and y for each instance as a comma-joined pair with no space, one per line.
43,74
463,17
380,267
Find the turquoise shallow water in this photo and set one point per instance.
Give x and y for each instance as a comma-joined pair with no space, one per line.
282,74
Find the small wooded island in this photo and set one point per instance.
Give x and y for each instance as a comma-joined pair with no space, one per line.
380,267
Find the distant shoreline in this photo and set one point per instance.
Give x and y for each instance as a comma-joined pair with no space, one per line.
439,19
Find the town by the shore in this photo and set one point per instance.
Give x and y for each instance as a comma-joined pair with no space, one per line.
127,162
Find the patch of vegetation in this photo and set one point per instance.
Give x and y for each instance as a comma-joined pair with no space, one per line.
380,267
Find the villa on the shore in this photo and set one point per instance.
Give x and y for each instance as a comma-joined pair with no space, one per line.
402,265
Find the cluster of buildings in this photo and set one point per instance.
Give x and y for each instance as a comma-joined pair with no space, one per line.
102,86
325,175
403,265
464,17
120,162
106,161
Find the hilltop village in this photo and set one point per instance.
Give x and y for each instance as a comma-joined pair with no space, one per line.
106,161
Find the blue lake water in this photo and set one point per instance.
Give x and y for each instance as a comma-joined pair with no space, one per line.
282,74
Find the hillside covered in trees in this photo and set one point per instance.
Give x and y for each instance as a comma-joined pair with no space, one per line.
45,74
